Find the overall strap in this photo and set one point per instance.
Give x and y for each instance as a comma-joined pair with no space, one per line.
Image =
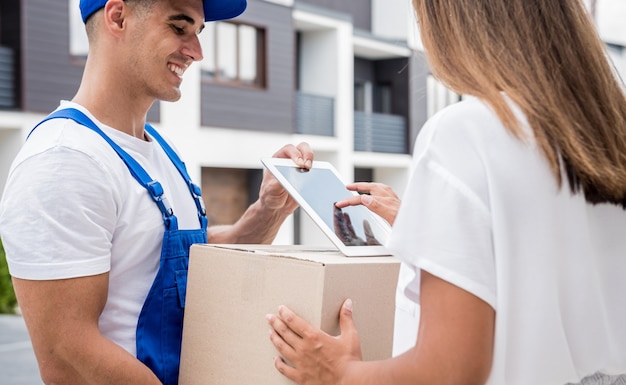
154,187
195,190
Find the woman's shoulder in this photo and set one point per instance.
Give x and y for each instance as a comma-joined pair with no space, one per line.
469,123
470,115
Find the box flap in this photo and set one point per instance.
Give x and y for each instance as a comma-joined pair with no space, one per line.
322,255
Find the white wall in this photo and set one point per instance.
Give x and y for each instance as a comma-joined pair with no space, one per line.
287,3
390,18
14,127
10,143
318,58
610,18
618,56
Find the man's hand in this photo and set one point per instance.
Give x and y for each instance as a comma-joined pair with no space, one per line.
316,358
262,220
272,195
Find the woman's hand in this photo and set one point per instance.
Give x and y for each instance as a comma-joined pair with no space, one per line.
377,197
310,356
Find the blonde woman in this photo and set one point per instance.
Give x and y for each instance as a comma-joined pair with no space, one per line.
514,219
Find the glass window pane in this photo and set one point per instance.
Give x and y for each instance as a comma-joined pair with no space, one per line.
248,54
382,99
227,51
359,96
207,42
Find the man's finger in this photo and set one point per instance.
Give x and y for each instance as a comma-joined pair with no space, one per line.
306,154
302,155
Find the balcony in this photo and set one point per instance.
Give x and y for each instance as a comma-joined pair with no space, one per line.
315,115
374,132
7,92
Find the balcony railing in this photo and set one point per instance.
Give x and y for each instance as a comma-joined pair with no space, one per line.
7,93
379,133
315,115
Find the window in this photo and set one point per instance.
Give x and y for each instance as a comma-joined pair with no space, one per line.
362,96
382,98
369,97
233,53
228,192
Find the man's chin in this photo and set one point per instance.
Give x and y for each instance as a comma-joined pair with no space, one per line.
171,97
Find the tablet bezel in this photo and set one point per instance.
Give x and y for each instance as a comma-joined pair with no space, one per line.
349,251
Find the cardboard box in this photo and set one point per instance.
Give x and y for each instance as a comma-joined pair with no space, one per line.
232,287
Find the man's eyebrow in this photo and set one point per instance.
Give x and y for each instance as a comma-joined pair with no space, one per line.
188,19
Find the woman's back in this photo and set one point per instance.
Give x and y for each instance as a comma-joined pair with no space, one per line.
484,212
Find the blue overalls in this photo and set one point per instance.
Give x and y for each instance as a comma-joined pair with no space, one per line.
160,325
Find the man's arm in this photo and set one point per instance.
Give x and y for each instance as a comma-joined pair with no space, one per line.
62,320
262,220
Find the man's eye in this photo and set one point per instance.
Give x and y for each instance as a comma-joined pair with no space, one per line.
178,30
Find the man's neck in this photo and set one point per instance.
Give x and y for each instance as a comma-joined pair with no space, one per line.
110,103
115,116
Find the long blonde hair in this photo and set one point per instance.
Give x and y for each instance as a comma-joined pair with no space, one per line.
547,57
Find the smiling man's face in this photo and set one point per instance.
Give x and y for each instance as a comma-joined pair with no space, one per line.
165,43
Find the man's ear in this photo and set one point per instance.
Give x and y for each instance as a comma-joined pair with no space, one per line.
115,12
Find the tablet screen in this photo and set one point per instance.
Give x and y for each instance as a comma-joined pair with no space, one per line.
317,190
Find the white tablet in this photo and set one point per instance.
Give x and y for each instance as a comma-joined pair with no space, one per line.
355,230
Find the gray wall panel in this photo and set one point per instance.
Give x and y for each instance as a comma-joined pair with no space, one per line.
396,73
364,70
419,71
48,74
270,109
361,10
10,38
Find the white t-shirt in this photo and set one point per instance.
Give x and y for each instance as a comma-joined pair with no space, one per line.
483,211
71,208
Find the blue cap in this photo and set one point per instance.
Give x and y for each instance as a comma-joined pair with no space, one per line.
213,9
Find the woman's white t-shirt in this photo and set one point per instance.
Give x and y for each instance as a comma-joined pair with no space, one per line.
483,211
71,209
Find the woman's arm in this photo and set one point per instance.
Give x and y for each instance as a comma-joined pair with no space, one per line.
454,344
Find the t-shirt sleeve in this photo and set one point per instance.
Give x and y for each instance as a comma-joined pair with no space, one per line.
58,216
443,225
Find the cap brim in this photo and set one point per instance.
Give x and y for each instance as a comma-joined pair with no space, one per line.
223,9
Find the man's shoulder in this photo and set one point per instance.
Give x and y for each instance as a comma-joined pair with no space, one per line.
60,136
